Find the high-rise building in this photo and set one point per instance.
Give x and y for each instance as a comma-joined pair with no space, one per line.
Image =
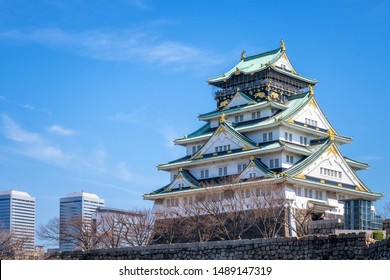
266,132
17,216
76,206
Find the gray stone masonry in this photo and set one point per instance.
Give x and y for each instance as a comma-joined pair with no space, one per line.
315,247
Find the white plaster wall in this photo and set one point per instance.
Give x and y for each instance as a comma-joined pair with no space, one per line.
333,164
284,61
312,113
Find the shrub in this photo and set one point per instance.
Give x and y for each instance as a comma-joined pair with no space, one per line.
378,235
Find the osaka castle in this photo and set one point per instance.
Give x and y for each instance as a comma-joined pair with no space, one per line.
267,131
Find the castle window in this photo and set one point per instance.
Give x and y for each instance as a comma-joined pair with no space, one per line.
289,159
264,137
223,171
330,173
303,140
270,136
171,202
288,136
319,195
239,118
256,115
310,122
204,174
241,167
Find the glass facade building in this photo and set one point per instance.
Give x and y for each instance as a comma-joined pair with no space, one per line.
17,216
358,215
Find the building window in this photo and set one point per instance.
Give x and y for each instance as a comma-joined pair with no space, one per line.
274,163
204,174
288,136
239,118
187,200
241,167
309,193
223,148
172,202
303,140
256,115
310,122
330,172
273,110
264,137
319,195
270,136
223,171
252,175
299,192
289,159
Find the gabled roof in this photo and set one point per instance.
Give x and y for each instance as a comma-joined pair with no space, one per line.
227,111
191,181
239,96
225,128
261,148
257,164
257,63
356,164
300,170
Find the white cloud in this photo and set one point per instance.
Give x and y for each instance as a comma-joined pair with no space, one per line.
32,144
117,45
14,132
59,130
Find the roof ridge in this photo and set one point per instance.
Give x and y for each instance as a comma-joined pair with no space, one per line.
262,54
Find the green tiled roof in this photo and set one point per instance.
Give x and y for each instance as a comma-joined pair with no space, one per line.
260,104
261,147
257,63
251,64
300,166
356,163
263,167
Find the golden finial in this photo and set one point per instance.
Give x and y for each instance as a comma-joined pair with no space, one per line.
223,118
243,54
252,158
185,136
331,134
311,90
282,46
180,169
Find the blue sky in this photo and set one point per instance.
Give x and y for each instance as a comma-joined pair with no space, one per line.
92,93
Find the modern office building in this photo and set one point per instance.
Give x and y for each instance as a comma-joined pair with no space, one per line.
80,205
17,216
359,214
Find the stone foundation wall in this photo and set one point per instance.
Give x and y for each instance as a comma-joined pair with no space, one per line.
336,247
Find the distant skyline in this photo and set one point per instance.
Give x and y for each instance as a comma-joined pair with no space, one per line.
92,93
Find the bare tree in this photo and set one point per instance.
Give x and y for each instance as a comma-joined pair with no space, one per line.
169,227
139,227
13,246
269,209
302,218
200,226
83,234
